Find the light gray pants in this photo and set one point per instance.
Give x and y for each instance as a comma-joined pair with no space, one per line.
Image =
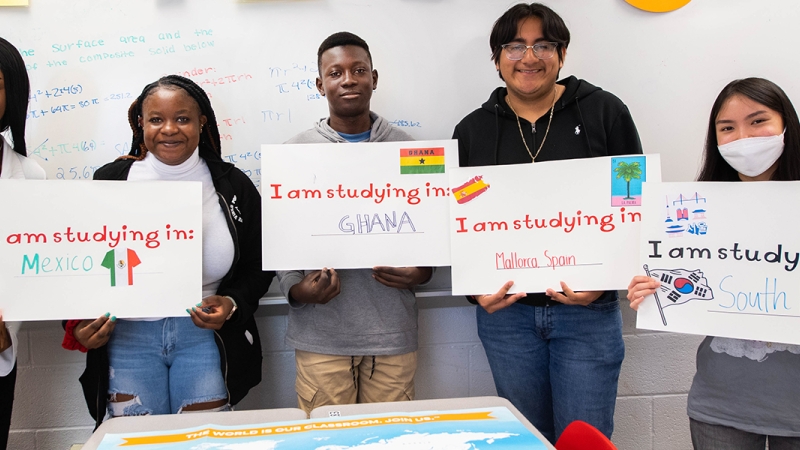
706,436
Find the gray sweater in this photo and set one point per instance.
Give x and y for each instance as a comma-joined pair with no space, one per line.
366,318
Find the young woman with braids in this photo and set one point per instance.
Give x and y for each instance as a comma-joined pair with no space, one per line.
14,91
208,361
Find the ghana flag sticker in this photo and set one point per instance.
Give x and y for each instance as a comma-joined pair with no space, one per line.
421,160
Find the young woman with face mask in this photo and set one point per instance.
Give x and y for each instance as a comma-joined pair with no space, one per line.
740,400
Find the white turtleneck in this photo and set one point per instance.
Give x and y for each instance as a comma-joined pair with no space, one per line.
218,251
16,166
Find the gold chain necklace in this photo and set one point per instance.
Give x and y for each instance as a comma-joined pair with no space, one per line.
549,121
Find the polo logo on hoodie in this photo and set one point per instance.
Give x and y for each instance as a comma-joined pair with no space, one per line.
577,130
235,213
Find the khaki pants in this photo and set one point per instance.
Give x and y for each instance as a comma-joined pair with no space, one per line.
338,380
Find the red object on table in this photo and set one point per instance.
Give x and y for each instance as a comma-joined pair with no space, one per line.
580,435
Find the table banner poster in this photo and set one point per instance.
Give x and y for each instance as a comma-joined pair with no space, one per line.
356,205
727,257
575,221
488,428
81,249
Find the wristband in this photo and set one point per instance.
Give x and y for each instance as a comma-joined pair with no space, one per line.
234,307
69,342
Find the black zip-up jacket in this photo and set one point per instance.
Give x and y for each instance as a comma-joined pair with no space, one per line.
587,122
245,282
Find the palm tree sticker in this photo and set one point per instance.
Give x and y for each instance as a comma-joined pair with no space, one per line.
628,173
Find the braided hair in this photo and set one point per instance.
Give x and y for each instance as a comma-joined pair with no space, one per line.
209,136
17,87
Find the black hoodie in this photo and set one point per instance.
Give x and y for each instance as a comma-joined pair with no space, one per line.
587,122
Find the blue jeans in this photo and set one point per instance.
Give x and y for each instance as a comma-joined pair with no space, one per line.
165,365
556,364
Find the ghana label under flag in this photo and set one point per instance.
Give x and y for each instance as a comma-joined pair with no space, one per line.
422,160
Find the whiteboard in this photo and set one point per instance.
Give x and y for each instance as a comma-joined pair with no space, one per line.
257,61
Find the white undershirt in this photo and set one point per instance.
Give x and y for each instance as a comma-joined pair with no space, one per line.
217,240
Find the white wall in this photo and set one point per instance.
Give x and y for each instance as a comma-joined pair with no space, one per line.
50,414
432,56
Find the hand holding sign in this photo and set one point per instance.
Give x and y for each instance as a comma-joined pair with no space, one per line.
401,277
641,286
570,297
500,299
317,287
95,333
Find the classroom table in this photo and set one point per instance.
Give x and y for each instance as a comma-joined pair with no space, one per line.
177,421
135,424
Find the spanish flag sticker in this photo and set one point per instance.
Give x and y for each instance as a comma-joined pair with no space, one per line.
421,160
471,189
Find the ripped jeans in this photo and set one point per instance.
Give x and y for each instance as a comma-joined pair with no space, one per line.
165,365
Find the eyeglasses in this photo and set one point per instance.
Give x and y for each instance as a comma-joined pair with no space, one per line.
542,50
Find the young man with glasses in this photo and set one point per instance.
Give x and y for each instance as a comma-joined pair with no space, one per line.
354,331
555,355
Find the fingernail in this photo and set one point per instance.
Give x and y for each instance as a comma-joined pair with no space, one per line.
108,314
194,309
199,304
188,312
113,318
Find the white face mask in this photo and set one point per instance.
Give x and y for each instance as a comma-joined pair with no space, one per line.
753,156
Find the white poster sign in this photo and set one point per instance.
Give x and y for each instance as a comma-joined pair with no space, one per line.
356,205
77,250
539,224
727,256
